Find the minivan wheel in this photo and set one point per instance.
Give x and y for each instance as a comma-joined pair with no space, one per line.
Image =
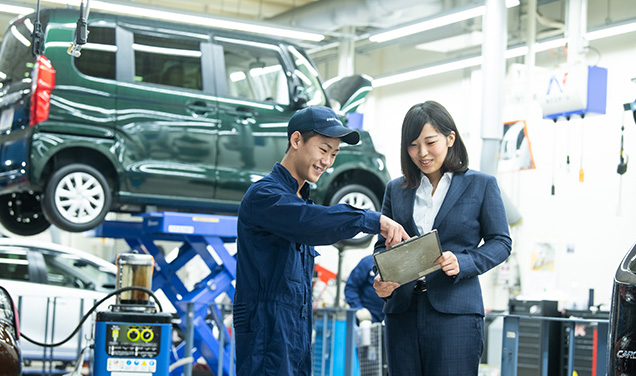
77,198
360,197
21,213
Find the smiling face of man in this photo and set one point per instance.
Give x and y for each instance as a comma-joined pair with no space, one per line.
308,159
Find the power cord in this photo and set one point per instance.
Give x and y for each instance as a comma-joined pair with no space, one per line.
622,164
90,311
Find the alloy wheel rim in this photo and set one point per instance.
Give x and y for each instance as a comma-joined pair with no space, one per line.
79,197
358,200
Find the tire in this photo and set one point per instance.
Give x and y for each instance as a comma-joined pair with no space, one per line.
21,213
360,197
77,198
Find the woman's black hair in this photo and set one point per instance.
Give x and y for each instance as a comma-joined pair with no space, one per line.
416,118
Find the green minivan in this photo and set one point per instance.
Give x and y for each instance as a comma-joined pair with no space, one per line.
154,116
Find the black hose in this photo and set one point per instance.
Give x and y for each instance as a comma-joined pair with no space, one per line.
37,34
90,311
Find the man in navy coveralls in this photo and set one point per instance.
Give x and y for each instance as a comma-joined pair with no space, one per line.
278,227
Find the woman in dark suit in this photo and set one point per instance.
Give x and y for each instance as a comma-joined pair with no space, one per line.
434,326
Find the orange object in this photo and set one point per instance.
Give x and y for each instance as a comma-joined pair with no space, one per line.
324,274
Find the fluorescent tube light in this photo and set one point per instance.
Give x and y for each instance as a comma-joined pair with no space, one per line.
196,20
547,45
207,21
610,31
14,9
429,24
461,64
515,52
453,43
433,23
428,71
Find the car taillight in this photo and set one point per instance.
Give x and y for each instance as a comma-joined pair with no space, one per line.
43,83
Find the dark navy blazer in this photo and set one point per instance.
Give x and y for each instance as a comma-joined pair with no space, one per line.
471,212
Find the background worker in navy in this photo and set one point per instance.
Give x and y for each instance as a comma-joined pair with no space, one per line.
278,225
360,294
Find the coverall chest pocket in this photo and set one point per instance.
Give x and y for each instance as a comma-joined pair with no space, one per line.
298,260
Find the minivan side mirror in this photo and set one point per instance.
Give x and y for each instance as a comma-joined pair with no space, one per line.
300,97
347,93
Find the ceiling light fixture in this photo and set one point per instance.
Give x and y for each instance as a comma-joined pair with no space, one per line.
14,9
454,43
550,44
611,31
462,63
508,54
433,23
428,71
192,19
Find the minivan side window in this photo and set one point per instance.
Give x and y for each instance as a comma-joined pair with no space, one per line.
168,61
254,71
16,59
14,265
98,54
308,75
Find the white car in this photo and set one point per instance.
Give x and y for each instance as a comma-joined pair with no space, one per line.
53,287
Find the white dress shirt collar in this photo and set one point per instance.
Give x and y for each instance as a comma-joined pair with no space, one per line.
427,203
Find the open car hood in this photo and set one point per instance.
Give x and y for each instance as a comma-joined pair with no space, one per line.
347,93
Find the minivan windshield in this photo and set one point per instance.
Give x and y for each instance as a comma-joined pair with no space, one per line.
308,75
16,60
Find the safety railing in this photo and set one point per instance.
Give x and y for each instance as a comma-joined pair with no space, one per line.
46,319
334,342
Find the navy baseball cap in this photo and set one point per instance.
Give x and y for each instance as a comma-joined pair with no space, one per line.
321,120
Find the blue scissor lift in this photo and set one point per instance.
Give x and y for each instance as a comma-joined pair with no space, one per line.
202,235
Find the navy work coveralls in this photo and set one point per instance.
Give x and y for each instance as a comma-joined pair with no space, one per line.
359,292
275,261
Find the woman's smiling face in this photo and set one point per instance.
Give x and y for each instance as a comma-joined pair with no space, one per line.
429,150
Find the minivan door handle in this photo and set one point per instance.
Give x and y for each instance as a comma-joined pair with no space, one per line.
200,108
244,115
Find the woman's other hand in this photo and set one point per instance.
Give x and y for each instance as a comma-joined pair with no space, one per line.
448,262
384,289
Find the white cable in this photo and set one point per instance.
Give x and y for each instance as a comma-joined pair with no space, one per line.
180,362
78,365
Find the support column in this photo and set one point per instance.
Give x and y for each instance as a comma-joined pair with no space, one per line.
576,27
346,53
495,28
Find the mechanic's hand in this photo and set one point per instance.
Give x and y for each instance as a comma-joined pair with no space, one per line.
449,263
384,289
392,231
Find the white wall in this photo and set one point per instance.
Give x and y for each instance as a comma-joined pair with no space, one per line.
587,224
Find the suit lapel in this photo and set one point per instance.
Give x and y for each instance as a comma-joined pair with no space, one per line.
406,209
458,186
